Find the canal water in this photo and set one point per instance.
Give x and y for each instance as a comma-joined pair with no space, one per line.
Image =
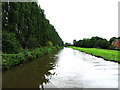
66,68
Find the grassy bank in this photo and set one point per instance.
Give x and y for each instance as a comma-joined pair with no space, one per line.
103,53
9,60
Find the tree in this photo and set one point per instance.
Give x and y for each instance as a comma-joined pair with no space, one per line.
74,41
9,43
49,43
104,44
93,41
29,25
97,42
111,47
112,39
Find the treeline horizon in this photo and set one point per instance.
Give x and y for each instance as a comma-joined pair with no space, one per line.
94,42
24,25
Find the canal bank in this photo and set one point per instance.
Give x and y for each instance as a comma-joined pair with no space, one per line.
10,60
67,68
108,55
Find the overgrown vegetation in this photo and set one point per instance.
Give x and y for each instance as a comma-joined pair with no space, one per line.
106,54
24,25
10,60
9,43
26,33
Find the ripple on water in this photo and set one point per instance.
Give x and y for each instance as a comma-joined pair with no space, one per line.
67,69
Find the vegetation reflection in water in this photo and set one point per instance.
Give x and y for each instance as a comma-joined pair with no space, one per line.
67,68
30,75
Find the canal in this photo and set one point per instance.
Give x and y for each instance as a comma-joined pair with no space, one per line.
66,68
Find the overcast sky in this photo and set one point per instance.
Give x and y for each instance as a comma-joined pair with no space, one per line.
78,19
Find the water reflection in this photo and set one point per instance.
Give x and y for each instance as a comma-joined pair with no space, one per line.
66,69
79,70
31,74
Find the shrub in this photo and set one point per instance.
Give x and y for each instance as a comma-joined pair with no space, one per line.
30,56
12,59
57,46
37,52
111,47
9,60
9,43
49,43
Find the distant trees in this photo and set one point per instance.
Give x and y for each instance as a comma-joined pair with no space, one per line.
102,43
112,39
29,25
74,41
94,42
67,44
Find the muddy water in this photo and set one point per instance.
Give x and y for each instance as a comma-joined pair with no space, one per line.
66,68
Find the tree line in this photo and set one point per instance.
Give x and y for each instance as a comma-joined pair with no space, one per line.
94,42
24,25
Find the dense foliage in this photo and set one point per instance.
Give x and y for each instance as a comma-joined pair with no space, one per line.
112,39
10,43
25,25
94,42
10,60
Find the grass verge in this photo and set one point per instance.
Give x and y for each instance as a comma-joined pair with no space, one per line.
9,60
112,55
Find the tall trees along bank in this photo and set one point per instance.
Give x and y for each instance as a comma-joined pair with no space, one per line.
24,25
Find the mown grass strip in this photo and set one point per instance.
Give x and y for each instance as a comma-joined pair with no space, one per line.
112,55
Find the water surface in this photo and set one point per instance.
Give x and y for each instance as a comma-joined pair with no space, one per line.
67,68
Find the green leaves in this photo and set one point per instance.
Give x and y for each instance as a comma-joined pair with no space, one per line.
28,25
103,44
94,42
12,59
9,43
49,43
25,25
9,60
